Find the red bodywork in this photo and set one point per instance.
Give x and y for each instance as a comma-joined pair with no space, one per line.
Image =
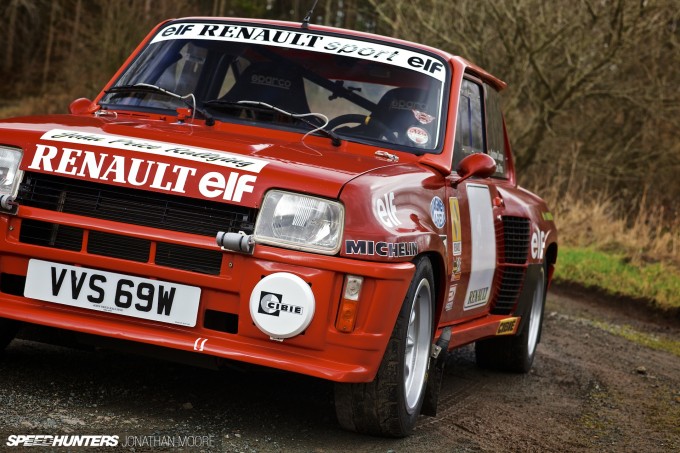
352,174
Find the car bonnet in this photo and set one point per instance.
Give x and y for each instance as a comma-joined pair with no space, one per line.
199,162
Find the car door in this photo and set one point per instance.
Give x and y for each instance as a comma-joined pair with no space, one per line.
472,236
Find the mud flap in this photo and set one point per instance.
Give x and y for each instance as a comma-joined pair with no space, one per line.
526,297
436,374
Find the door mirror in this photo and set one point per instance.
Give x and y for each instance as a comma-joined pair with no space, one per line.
81,106
479,165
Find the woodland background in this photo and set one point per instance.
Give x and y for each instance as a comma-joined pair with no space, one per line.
592,104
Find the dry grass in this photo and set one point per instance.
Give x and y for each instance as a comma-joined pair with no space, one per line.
588,216
643,235
630,250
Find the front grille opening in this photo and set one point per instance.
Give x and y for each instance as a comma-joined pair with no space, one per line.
51,235
12,284
513,255
128,248
189,258
221,321
516,234
118,246
134,206
510,287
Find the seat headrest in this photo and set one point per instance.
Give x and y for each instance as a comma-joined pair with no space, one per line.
273,84
408,113
399,100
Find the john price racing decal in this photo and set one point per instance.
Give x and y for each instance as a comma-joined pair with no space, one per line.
395,56
148,174
159,148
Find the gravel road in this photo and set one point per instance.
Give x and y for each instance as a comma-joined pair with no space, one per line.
599,383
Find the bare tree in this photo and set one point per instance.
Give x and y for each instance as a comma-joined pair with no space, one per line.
594,77
50,42
592,102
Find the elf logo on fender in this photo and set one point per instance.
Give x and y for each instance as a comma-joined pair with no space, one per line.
138,172
386,210
538,240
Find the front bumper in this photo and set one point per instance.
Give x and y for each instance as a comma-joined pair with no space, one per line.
320,351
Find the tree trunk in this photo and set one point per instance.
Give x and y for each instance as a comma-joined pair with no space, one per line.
49,45
11,26
75,33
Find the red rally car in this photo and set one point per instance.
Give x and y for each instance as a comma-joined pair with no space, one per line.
311,199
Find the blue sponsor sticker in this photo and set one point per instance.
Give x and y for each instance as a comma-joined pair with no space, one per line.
438,212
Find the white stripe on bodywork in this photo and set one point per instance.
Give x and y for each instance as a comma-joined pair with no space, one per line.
483,260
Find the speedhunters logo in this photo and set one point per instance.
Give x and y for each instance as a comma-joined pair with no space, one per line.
33,440
272,304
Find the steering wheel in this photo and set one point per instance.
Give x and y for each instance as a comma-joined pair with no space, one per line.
374,124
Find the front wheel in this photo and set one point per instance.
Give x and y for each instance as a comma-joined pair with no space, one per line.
390,404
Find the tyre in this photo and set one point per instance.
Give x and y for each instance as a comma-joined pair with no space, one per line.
390,404
8,329
516,353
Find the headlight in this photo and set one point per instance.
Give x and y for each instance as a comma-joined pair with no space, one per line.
10,175
300,222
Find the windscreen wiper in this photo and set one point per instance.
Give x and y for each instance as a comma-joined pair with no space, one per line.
148,88
335,139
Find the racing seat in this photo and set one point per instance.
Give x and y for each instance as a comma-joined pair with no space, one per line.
401,109
403,116
273,84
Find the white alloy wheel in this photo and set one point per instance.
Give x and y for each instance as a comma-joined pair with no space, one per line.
390,404
418,338
535,317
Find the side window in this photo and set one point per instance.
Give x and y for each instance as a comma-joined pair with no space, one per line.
494,131
469,126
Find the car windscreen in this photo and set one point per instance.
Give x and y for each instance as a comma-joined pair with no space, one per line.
371,92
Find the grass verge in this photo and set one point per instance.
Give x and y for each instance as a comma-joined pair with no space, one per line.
643,338
617,275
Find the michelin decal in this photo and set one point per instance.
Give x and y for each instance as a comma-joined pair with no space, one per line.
385,249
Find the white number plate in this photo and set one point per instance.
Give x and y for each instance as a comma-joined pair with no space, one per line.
112,293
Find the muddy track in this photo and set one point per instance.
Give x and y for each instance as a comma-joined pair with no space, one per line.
595,387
